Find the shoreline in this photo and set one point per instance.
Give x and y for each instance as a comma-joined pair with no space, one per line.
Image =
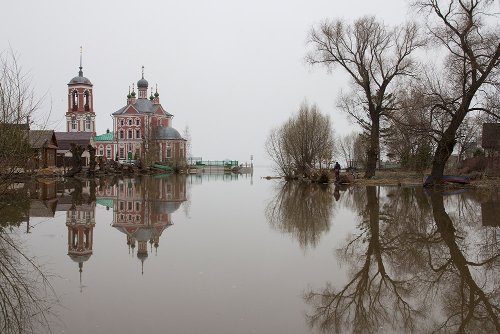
414,179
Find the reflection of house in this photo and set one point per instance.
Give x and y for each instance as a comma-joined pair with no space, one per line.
490,211
44,145
142,211
43,199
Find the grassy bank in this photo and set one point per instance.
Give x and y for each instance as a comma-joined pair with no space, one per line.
399,177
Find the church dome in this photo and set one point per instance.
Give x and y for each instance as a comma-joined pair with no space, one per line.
168,133
80,258
80,80
143,83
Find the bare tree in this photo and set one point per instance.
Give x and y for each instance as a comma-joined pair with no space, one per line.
471,73
17,105
276,150
374,56
346,147
187,135
305,140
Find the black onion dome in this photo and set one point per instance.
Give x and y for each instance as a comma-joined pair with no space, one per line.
143,83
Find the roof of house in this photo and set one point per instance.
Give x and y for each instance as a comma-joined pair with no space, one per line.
142,106
64,139
42,138
105,137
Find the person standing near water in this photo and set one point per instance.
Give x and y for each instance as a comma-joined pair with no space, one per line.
336,170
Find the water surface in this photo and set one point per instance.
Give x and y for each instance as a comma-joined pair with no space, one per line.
232,253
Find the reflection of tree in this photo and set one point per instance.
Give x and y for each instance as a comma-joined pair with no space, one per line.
25,292
14,207
406,262
468,306
303,210
375,295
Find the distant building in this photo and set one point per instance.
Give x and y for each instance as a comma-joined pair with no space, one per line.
105,145
491,138
80,119
44,145
80,116
65,139
142,127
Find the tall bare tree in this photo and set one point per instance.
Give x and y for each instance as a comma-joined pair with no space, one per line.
374,56
469,32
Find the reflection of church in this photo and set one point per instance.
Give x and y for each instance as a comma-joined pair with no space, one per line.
80,221
142,210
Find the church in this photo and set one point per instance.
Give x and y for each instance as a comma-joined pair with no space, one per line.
142,129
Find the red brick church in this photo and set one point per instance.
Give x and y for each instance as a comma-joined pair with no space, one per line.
142,129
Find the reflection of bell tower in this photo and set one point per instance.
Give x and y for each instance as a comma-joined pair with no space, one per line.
80,225
142,253
80,116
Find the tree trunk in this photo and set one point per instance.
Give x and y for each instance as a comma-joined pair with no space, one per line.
373,150
445,146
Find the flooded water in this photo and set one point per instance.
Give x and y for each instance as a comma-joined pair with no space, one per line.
234,253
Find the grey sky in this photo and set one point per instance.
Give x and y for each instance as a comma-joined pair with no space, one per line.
230,70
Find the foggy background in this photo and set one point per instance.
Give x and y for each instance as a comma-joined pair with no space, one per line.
229,70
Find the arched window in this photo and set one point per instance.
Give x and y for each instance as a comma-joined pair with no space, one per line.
121,134
169,151
87,122
86,100
129,134
73,123
74,99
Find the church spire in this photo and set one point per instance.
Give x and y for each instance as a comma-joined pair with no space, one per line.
80,73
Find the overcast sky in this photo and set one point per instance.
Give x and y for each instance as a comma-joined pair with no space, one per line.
230,70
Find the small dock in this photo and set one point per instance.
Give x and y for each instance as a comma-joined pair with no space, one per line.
198,165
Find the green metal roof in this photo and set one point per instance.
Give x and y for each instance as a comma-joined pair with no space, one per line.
105,202
105,137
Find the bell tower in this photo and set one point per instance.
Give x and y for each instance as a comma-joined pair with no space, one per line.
80,116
